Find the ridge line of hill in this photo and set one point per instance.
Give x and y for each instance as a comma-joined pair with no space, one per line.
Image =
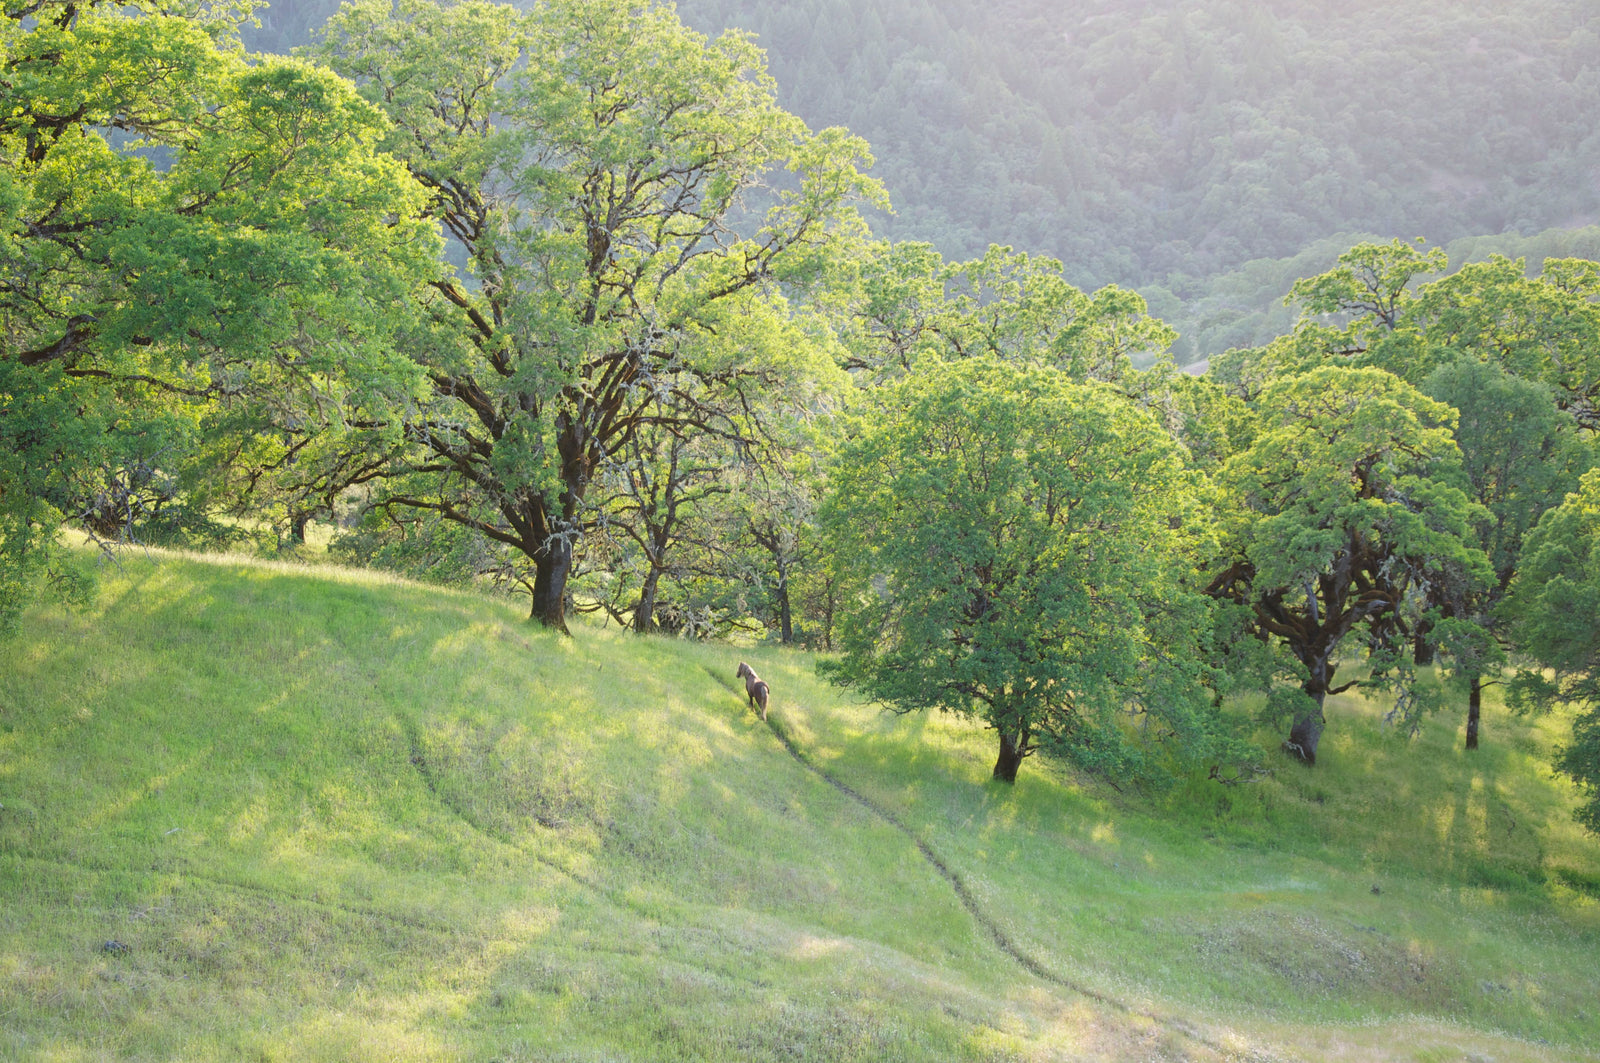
997,933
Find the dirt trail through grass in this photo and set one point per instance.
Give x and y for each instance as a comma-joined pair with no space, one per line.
996,932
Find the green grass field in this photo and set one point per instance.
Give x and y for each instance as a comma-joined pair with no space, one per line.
261,812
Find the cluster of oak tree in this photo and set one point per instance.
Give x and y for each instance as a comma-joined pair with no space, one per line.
562,297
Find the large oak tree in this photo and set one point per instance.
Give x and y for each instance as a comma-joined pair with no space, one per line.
181,231
1016,547
1344,515
631,207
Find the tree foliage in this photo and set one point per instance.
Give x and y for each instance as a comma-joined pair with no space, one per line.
1373,309
1511,352
1015,547
1554,605
632,205
905,304
1343,512
177,227
1521,456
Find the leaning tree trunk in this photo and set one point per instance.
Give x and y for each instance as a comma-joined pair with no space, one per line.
1474,710
1013,747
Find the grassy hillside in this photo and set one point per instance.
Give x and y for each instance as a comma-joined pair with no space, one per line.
258,812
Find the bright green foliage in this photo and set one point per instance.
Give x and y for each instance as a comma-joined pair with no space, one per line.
1545,328
1360,312
1371,284
1554,605
1372,310
1021,308
1344,515
176,226
630,199
907,304
1212,421
1515,354
893,304
39,429
1015,547
1521,456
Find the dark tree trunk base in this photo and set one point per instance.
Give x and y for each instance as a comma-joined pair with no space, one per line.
557,621
550,585
1422,651
1303,738
644,613
1011,753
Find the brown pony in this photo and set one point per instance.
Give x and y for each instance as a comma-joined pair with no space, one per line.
755,688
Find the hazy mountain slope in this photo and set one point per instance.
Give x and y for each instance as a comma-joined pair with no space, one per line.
1148,141
256,812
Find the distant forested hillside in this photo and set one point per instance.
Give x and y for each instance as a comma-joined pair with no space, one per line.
1169,137
1163,143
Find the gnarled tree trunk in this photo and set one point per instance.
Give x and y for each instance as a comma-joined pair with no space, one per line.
1308,725
552,566
1013,747
644,612
1305,734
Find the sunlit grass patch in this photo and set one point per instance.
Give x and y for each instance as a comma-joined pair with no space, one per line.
270,812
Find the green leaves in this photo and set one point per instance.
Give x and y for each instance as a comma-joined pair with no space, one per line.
1372,310
905,305
1521,455
1556,617
1372,284
638,217
179,227
1015,545
1554,605
1348,455
1345,516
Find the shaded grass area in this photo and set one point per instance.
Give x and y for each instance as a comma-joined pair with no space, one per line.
255,812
